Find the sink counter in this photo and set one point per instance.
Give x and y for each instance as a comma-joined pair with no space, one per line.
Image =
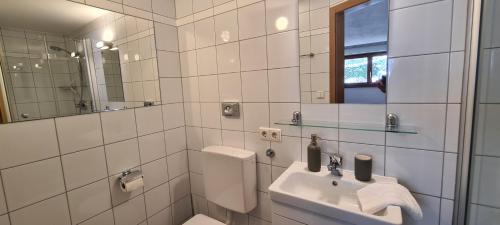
326,196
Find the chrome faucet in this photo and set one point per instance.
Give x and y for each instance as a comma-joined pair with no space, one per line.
335,165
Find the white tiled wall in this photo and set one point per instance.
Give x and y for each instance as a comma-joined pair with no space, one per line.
64,170
426,69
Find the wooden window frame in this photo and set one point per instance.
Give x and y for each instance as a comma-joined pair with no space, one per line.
337,49
369,56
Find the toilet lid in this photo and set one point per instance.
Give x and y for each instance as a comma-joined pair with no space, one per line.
201,219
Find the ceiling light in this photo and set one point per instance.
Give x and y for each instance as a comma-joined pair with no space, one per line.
281,23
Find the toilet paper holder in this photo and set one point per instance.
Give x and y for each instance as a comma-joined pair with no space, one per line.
129,175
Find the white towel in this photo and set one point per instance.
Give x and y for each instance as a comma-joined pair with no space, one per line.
378,196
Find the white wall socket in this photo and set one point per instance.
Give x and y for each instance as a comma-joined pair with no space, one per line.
270,134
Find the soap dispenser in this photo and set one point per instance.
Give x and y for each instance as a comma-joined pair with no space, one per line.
314,154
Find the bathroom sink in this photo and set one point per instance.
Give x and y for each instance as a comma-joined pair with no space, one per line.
334,197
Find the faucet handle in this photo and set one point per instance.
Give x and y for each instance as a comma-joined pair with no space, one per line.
335,158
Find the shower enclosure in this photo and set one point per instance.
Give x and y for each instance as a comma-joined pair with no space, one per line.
44,75
478,190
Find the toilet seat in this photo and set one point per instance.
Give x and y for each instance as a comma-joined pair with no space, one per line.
201,219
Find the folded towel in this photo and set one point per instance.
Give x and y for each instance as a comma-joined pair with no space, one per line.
377,196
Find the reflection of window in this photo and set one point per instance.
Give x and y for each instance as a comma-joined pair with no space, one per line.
365,69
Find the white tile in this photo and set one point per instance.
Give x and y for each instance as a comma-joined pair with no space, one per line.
219,2
287,151
320,43
186,37
79,132
253,54
456,77
228,58
263,209
418,170
446,217
263,177
421,29
200,205
209,88
122,156
118,125
171,90
131,212
430,210
206,59
204,33
211,137
53,211
284,85
210,115
319,18
192,114
194,138
168,64
117,195
190,89
255,115
194,159
177,164
89,201
395,4
152,147
155,173
149,120
182,210
104,218
429,119
217,212
174,116
179,187
283,49
276,172
234,139
257,145
459,24
197,184
230,87
418,79
164,7
41,135
3,204
256,221
283,111
188,63
255,86
452,127
183,8
164,217
166,37
484,185
77,171
304,22
175,140
449,175
47,175
226,27
483,215
200,5
157,199
362,113
281,15
252,21
331,134
349,151
233,123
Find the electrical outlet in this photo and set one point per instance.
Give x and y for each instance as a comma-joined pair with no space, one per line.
270,134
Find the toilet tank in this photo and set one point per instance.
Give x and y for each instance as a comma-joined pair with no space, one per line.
230,177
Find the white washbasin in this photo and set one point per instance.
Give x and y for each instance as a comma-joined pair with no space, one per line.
315,192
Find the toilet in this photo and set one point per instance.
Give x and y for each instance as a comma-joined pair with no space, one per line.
230,177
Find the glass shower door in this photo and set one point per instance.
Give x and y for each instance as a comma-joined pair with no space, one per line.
483,206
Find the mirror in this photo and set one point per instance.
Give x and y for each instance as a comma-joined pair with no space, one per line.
61,58
343,51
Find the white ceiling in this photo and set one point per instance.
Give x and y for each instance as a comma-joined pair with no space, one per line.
54,16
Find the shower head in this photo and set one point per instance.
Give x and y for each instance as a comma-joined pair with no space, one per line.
59,49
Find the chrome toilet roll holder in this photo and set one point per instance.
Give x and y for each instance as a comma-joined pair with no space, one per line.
130,175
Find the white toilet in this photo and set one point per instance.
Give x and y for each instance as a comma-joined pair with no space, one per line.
230,176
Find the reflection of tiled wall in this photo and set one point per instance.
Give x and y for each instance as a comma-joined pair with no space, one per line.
485,194
38,81
232,51
69,165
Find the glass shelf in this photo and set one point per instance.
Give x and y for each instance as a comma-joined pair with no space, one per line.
353,126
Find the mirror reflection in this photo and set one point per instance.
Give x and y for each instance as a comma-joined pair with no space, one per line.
72,59
344,59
